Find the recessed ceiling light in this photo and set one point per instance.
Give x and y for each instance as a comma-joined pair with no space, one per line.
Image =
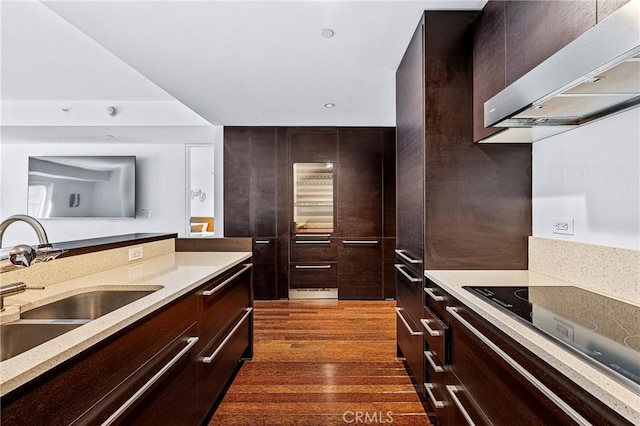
329,105
327,33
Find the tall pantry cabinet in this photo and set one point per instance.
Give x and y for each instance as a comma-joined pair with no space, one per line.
460,205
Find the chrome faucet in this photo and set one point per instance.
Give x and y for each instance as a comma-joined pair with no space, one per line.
24,255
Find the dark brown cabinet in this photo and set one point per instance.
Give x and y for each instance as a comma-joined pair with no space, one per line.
361,162
361,268
152,371
513,37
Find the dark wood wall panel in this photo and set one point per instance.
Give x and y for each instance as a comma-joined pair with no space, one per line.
237,211
478,197
538,29
359,209
389,181
310,145
263,181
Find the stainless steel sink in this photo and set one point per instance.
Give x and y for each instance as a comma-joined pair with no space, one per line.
20,336
90,305
46,322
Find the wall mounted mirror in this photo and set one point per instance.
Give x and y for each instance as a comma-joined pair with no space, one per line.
313,198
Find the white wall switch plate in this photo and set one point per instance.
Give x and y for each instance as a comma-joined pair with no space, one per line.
135,253
563,226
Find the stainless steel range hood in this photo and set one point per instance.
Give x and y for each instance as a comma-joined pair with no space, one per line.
596,75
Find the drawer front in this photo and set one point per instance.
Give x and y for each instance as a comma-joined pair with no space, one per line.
264,251
312,249
436,333
360,273
434,388
313,275
437,299
411,343
218,362
409,290
231,296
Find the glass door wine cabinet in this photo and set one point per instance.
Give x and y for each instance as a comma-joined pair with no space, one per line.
313,198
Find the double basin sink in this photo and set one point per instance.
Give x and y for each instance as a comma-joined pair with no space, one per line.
49,321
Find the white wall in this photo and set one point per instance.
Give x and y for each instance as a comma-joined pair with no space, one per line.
591,174
160,189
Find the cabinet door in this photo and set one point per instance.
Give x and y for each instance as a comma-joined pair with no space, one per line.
360,200
237,182
488,63
536,30
264,268
411,344
360,272
263,186
410,122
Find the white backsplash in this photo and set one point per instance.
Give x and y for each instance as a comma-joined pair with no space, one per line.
611,271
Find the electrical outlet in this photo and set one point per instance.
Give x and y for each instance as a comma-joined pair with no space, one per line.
135,253
563,226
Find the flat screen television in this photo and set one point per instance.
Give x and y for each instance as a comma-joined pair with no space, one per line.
82,187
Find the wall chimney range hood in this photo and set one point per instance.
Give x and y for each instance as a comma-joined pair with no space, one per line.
596,75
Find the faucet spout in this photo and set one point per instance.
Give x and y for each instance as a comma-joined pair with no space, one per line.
37,227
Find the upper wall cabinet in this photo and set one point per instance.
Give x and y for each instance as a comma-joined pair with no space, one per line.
512,37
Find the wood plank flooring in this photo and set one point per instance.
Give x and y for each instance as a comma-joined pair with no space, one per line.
319,362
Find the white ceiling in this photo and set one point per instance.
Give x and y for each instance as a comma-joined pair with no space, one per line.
230,62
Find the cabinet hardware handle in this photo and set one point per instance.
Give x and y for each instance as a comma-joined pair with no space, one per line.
406,324
405,257
313,266
432,397
432,332
432,295
436,367
313,235
227,281
209,359
262,241
312,242
360,242
560,403
452,391
400,267
190,342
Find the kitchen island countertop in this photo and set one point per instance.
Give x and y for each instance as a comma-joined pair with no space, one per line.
172,275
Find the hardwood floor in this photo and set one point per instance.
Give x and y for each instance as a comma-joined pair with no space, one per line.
320,362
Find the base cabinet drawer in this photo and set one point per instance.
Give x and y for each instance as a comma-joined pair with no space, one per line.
313,249
411,345
360,272
218,362
313,275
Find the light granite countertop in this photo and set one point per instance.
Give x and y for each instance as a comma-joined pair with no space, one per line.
618,397
172,275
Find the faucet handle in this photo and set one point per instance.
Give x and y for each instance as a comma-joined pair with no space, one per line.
22,255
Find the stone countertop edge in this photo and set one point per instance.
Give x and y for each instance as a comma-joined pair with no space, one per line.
175,274
618,397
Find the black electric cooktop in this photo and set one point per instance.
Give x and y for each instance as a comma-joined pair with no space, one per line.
604,330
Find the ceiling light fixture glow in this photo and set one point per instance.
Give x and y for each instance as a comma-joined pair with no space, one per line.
329,105
327,33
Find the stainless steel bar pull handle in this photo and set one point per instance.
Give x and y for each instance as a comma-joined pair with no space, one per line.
405,257
406,324
262,241
400,269
436,367
432,332
432,295
453,390
313,235
313,242
560,403
363,242
227,281
432,397
313,266
190,342
209,359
